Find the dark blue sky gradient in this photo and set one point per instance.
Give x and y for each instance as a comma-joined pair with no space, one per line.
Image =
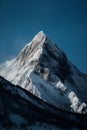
64,22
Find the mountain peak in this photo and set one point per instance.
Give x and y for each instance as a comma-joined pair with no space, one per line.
41,33
40,37
36,45
43,69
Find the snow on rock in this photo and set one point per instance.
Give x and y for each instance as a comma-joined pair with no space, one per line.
61,86
76,104
82,108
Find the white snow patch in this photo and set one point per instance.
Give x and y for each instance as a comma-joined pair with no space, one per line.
61,86
76,104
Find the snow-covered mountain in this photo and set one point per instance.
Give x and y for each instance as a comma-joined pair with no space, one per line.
43,69
21,110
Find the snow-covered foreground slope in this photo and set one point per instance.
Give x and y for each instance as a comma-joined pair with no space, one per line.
43,69
21,110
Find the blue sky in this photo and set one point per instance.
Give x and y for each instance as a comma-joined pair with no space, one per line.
64,22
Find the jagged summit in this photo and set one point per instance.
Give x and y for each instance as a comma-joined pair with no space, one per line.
44,53
40,38
43,69
41,34
37,41
40,43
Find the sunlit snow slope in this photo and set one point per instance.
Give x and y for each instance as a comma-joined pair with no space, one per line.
43,69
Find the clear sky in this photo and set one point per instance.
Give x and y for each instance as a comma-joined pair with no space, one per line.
64,22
